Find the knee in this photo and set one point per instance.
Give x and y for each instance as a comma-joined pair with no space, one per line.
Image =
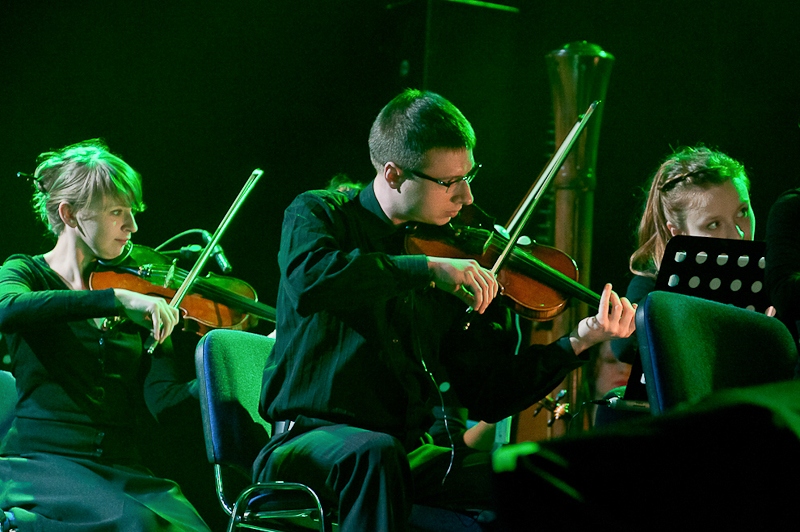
376,452
381,447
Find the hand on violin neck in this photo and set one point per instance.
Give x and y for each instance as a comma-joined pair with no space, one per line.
149,312
615,319
465,279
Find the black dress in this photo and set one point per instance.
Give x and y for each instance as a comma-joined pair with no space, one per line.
70,460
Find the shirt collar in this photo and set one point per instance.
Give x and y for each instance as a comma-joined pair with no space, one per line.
370,202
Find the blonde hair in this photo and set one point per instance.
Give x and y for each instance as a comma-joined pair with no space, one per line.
684,173
76,175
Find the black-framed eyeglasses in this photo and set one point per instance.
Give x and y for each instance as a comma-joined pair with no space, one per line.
447,184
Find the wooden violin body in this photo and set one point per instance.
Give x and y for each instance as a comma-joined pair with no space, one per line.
537,280
215,302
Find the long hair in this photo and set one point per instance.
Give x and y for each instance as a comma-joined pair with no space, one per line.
76,175
684,173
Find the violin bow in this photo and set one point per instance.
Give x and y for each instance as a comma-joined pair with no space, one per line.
525,210
187,283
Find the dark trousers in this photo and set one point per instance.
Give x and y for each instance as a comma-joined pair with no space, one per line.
370,479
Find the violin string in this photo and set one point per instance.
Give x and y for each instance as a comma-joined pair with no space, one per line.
556,278
203,287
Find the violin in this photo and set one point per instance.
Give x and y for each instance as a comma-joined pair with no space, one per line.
214,301
537,280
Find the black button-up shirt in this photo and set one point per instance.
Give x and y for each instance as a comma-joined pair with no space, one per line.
359,326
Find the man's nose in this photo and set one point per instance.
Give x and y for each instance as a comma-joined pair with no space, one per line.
463,194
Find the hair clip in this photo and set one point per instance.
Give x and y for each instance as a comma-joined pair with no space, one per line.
673,181
34,179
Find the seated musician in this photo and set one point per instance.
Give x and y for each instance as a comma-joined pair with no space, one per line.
696,191
451,425
722,463
71,459
361,323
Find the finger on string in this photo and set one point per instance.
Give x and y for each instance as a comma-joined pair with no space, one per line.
172,317
492,281
488,292
494,286
616,307
605,297
167,329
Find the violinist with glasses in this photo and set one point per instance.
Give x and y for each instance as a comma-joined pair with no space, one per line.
365,332
71,460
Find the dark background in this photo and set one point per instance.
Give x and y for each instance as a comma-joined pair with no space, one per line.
196,94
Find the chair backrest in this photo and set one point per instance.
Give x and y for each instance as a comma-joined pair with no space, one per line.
230,365
691,347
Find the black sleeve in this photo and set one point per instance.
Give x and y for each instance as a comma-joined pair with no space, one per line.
26,302
782,272
165,385
493,382
319,275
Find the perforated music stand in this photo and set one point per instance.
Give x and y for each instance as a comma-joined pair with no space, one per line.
719,269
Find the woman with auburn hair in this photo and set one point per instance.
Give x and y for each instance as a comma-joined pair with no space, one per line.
696,191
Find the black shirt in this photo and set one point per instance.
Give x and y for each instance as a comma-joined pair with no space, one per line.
359,325
782,272
69,371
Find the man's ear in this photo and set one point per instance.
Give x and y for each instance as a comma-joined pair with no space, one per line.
393,176
674,231
67,214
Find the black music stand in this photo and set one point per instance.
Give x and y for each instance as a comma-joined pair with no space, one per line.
719,269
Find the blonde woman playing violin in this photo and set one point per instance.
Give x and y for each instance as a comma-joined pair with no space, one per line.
70,460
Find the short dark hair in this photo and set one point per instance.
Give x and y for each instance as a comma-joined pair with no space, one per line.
414,122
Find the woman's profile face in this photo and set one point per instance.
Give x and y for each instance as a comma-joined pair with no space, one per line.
106,226
721,211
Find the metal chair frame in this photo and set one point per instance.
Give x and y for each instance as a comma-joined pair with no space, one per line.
229,368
